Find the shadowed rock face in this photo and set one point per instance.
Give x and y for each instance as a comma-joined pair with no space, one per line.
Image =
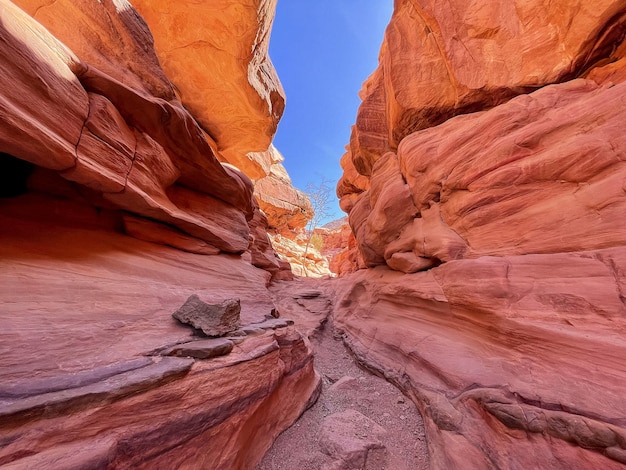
485,190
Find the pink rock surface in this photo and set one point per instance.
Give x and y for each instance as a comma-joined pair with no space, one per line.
108,150
113,129
516,356
82,304
485,190
439,60
469,187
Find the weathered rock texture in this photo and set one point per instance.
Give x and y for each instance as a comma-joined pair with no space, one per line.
212,319
240,100
105,117
302,255
216,53
287,208
96,148
338,246
485,188
86,317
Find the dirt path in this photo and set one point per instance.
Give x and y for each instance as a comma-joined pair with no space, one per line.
360,420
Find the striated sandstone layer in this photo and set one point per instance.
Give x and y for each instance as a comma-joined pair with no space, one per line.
514,362
485,186
116,205
216,55
288,209
86,318
215,52
105,117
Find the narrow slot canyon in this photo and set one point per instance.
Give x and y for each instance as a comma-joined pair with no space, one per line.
181,289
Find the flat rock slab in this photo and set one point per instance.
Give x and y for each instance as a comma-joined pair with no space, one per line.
203,349
212,319
349,436
269,324
308,294
107,390
11,389
344,383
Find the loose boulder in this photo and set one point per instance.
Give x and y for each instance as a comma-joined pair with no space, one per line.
212,319
349,437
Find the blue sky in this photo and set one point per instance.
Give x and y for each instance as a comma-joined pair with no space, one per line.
323,51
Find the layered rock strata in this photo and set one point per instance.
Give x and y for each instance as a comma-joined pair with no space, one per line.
105,117
97,374
240,101
485,189
116,206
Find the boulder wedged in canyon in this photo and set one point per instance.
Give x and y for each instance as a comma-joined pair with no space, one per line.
484,183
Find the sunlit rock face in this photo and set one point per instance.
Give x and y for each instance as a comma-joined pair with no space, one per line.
216,55
117,204
484,183
215,52
287,208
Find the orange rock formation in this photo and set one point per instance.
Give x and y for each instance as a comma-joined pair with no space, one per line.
485,188
117,205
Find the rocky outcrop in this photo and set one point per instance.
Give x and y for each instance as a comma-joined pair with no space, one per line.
87,323
129,139
338,246
288,209
215,52
117,206
303,256
240,101
484,185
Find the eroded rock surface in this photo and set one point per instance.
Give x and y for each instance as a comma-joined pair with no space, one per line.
86,320
96,147
485,189
104,117
360,421
213,319
350,438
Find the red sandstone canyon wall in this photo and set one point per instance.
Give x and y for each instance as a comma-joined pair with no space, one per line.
118,204
485,189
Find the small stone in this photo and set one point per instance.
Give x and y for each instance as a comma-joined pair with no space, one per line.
307,294
212,319
344,383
